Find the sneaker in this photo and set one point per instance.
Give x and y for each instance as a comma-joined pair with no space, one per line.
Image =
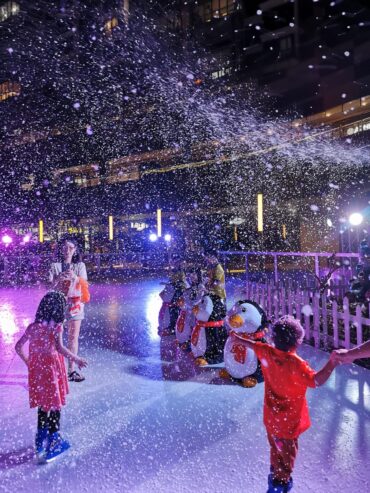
74,376
56,446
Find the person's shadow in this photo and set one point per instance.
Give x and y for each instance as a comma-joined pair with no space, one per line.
16,458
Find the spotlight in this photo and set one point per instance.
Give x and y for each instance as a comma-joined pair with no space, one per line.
6,239
26,238
153,237
356,219
167,237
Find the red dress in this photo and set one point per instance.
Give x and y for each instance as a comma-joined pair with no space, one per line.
47,377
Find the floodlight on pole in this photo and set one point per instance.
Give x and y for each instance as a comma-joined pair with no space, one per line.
356,219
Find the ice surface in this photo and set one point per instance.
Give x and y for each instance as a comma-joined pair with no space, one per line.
146,420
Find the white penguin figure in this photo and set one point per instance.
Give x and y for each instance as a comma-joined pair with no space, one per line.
249,320
164,318
186,319
209,335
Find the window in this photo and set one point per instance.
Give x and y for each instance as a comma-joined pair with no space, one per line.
7,10
9,89
221,72
110,25
126,10
85,175
286,46
28,182
122,169
207,10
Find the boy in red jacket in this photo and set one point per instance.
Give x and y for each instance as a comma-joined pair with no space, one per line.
285,413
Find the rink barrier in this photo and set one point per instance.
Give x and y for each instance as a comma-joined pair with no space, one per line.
327,323
284,266
33,268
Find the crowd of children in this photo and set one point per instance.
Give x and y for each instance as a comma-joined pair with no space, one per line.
286,375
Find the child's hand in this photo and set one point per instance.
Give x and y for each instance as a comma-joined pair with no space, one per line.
81,363
341,356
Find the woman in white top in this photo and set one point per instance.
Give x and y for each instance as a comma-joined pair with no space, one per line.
63,276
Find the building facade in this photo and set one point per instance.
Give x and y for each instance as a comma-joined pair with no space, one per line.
91,131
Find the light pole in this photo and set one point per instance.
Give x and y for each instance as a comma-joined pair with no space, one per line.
355,220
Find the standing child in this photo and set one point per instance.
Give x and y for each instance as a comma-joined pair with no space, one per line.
215,275
285,414
47,378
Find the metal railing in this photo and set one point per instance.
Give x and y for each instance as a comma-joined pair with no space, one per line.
285,265
18,269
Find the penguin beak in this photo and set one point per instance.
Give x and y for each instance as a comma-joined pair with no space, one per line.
235,321
195,310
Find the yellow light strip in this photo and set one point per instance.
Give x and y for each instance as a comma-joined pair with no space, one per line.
159,223
111,231
284,231
260,212
41,231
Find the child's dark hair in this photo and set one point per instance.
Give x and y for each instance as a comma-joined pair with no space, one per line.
51,307
287,333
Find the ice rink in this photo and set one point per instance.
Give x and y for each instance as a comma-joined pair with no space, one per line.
145,420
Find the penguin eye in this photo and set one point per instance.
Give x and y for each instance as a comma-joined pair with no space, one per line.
244,310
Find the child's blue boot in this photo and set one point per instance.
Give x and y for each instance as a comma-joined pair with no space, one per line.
56,446
41,443
277,487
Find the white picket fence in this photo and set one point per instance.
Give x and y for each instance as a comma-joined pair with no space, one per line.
326,323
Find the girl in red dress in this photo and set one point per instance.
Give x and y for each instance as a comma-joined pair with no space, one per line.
47,377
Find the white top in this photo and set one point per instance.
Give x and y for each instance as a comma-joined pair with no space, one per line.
56,268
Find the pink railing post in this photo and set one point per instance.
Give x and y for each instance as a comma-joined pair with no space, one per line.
316,319
324,321
347,335
335,324
358,323
276,272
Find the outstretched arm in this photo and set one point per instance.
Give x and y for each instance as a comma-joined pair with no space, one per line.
322,375
19,347
347,356
81,362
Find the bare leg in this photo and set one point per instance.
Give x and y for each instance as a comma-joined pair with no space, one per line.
73,334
